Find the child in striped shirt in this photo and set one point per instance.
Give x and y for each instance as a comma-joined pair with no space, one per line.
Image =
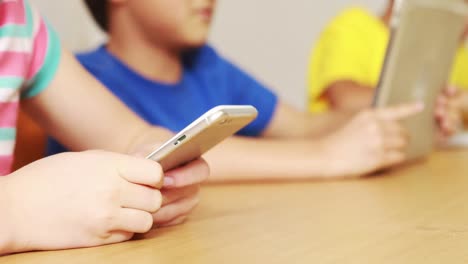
76,199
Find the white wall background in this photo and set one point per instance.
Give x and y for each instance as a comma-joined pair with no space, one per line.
271,39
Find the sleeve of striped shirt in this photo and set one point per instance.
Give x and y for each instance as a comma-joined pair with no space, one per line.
46,53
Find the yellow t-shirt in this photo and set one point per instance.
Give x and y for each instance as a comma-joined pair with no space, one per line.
353,47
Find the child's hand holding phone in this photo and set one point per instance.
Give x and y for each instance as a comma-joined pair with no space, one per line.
180,157
76,200
180,191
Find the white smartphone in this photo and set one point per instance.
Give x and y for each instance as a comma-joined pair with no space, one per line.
204,133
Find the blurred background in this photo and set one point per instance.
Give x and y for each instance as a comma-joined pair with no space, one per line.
270,39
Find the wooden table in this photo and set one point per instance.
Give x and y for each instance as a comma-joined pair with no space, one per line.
418,214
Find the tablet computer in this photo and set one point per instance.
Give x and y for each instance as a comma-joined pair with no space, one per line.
425,36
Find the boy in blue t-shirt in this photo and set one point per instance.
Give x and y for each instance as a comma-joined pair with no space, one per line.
158,63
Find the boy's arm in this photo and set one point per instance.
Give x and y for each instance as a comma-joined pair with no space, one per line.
288,122
78,111
371,141
258,159
345,97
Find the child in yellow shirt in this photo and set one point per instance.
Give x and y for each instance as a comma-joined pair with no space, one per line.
346,62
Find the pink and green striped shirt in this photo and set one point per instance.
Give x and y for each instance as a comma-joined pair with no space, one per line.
29,58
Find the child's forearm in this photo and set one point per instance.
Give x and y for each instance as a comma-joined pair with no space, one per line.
289,123
6,227
147,140
322,124
245,159
82,114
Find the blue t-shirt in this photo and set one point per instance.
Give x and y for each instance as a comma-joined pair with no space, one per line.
208,80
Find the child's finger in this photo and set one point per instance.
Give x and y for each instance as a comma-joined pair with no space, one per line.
194,172
394,157
440,112
400,112
393,128
396,143
140,171
451,90
177,221
140,197
133,220
451,124
441,101
171,195
174,210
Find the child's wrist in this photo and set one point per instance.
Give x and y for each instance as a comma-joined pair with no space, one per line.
328,158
